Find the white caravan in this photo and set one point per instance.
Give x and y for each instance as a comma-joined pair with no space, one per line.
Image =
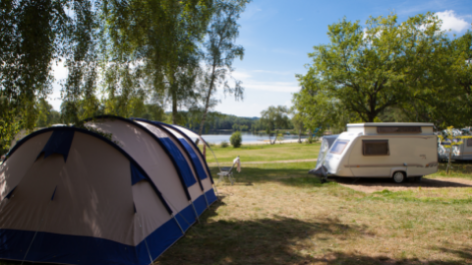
381,150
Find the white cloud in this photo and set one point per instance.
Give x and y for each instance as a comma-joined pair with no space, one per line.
290,87
238,75
252,82
452,21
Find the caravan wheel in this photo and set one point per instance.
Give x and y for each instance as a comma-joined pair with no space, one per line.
398,177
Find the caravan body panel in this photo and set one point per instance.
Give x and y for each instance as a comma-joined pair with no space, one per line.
367,151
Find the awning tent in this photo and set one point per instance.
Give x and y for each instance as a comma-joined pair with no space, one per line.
72,196
326,143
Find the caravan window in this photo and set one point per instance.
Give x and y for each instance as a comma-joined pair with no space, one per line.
375,147
399,129
339,146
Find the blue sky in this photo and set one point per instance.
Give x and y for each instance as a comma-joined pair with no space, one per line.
278,34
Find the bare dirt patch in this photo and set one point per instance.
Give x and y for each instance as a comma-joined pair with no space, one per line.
369,185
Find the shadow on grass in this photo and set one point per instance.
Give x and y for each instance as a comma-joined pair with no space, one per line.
299,177
263,241
387,182
279,240
289,176
465,254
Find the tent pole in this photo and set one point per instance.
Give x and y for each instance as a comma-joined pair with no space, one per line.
36,232
204,195
145,240
195,210
182,230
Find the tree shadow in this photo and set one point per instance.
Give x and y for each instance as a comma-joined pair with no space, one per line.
279,240
288,176
300,178
388,183
465,253
263,241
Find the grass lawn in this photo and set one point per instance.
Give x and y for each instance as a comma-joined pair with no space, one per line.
277,214
266,152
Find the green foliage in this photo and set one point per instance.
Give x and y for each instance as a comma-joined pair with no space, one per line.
224,144
139,55
236,139
220,51
274,118
47,116
387,71
216,121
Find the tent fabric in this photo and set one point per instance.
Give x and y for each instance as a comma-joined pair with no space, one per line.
198,160
174,146
180,160
59,143
72,196
136,175
189,136
162,160
163,130
198,165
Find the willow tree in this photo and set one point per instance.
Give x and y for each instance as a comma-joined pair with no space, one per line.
151,47
220,51
79,100
32,36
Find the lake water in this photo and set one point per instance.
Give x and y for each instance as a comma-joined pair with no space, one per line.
247,138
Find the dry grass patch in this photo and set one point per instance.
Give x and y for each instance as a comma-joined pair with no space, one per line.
277,214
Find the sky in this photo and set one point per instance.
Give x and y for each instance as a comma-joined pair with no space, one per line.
277,36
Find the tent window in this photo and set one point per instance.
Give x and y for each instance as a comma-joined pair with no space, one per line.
469,142
399,129
375,147
339,147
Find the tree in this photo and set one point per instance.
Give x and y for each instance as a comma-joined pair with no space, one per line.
317,109
47,116
425,65
221,51
236,139
298,123
461,71
150,47
368,70
34,34
273,119
363,73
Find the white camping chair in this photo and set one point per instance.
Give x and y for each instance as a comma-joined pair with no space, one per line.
228,171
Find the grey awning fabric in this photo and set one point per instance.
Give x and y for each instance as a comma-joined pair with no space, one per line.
326,143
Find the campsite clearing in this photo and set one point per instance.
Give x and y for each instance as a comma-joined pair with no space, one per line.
266,152
278,214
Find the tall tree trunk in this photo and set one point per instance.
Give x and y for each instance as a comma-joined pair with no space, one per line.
174,104
207,100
